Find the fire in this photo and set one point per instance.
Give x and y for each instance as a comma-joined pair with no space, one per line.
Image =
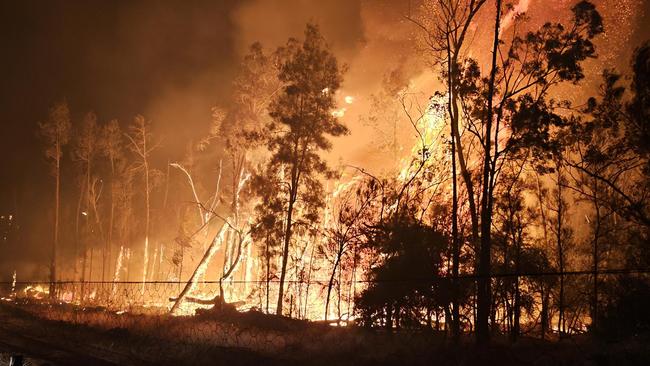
185,308
338,113
429,128
37,292
13,283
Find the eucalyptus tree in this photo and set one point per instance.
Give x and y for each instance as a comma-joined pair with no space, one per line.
302,120
141,145
350,210
610,156
112,148
508,107
55,132
236,133
85,152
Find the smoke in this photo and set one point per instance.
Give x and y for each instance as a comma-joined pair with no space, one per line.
371,38
272,22
520,8
173,61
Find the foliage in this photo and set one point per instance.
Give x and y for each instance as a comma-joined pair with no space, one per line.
56,130
408,281
302,121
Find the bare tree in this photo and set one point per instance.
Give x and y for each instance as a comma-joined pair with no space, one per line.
84,152
141,145
239,130
302,119
56,133
111,144
349,210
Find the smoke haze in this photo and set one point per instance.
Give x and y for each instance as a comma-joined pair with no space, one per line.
173,61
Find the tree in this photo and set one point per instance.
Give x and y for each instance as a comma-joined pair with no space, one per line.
84,152
350,211
55,131
511,217
242,131
563,235
611,146
407,281
446,25
611,158
508,109
239,131
111,146
141,146
302,120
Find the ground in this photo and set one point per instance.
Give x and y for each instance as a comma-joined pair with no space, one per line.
46,342
257,339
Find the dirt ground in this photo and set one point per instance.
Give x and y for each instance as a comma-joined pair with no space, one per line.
44,342
158,341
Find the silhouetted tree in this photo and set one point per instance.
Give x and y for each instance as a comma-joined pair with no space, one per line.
611,157
350,211
111,145
56,134
408,278
141,145
508,110
302,119
85,152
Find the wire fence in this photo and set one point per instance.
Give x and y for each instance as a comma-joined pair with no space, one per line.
159,296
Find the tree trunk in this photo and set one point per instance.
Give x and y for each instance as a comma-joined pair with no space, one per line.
331,282
560,251
84,261
594,306
268,272
455,311
76,233
111,220
287,239
517,301
545,296
233,264
147,209
55,242
484,271
311,259
200,268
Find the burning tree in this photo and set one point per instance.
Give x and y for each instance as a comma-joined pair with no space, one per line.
111,147
350,210
141,145
238,132
56,133
506,109
302,119
84,152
